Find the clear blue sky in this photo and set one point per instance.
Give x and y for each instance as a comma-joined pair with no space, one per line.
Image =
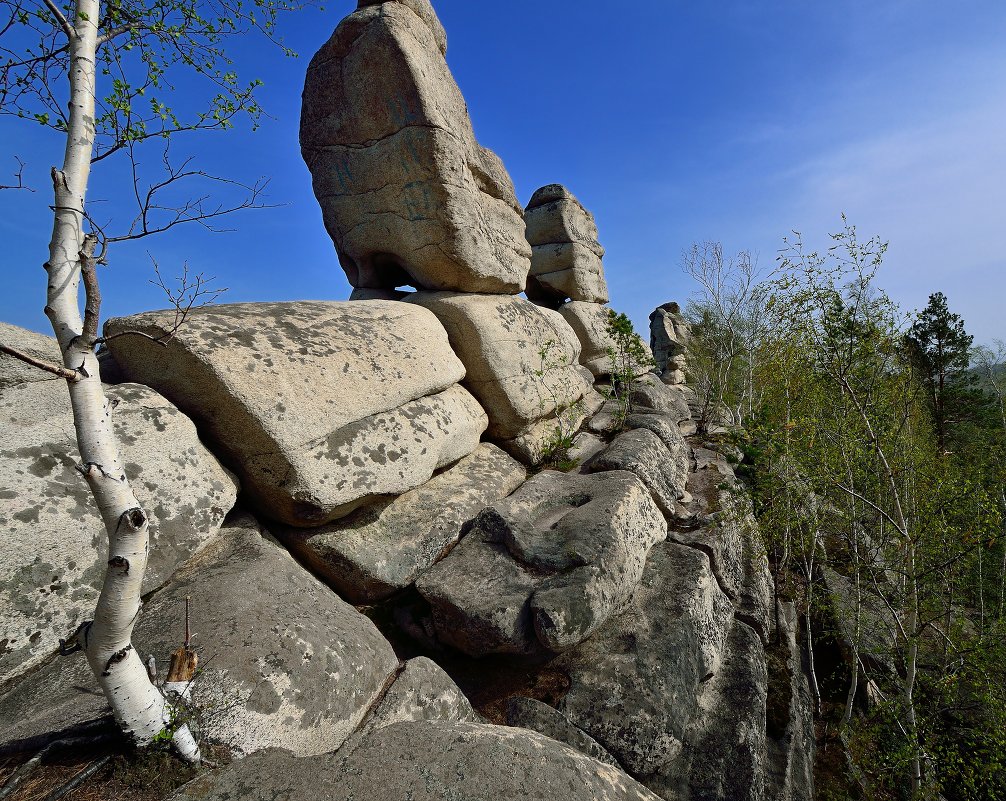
673,122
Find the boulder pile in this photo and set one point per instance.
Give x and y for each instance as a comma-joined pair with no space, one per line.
388,591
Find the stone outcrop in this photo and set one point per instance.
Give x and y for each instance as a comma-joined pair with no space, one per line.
284,662
565,254
669,334
520,359
408,195
545,567
382,548
425,761
643,453
54,538
319,407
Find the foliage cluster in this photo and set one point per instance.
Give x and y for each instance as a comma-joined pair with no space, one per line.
876,460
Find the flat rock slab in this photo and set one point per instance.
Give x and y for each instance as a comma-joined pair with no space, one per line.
636,684
283,660
382,548
521,359
55,541
546,566
425,761
407,194
318,406
38,346
726,755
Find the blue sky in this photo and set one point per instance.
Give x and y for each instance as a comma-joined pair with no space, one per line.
672,121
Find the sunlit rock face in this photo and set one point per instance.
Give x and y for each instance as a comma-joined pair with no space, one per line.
565,254
408,195
320,407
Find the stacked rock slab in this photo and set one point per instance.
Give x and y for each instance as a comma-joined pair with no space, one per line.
565,254
567,274
521,359
408,195
320,407
669,334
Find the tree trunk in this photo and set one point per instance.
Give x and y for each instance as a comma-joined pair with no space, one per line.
138,705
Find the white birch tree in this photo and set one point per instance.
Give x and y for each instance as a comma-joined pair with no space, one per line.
96,73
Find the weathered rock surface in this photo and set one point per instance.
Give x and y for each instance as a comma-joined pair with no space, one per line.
648,392
565,253
644,454
529,713
55,540
383,547
637,684
790,718
546,566
408,195
521,360
425,761
533,445
38,346
422,691
284,662
726,752
318,406
590,322
669,333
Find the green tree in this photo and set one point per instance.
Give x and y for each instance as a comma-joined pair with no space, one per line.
102,75
942,348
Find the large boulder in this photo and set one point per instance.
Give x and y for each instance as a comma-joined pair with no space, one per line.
54,538
424,761
318,406
521,360
408,195
283,661
546,566
383,547
565,253
38,346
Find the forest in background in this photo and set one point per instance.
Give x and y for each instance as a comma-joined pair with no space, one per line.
872,440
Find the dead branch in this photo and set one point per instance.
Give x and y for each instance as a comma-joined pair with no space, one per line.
55,369
19,177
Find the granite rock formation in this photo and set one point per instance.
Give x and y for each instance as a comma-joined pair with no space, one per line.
565,254
408,195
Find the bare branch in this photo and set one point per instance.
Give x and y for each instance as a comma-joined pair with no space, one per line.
55,369
191,292
63,23
92,293
19,175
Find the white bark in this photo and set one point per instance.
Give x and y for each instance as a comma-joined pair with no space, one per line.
138,706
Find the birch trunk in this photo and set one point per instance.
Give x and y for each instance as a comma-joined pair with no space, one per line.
138,706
